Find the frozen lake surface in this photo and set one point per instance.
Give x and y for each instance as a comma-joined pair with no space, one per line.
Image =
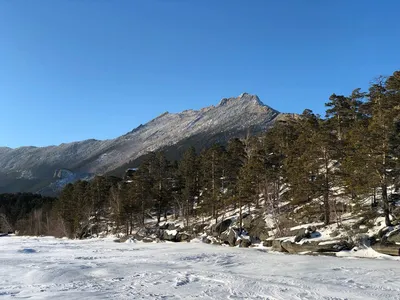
49,268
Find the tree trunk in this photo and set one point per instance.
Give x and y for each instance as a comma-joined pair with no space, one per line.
240,214
327,209
159,212
385,203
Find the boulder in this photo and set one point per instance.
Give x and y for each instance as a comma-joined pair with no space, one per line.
277,246
167,226
182,236
257,229
229,237
138,236
197,228
246,220
147,240
206,240
383,231
302,234
292,248
243,241
361,240
169,235
254,240
267,243
334,246
389,249
172,226
394,236
315,246
222,226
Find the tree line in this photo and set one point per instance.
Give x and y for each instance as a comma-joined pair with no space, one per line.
350,153
29,214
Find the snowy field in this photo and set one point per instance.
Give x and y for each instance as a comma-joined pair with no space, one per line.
48,268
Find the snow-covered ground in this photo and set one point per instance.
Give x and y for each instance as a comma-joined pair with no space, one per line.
49,268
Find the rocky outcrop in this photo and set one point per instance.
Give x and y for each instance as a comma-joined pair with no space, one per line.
389,249
169,235
168,226
317,246
388,241
182,237
229,237
394,236
277,245
219,228
243,241
256,228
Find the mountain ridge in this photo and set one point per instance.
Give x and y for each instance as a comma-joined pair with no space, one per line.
231,117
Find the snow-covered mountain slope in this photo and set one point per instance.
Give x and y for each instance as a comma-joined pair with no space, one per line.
232,116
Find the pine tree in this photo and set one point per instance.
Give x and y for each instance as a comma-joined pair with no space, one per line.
310,164
213,169
189,182
160,174
250,175
236,158
383,107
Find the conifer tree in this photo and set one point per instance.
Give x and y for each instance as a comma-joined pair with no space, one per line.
213,169
383,109
188,174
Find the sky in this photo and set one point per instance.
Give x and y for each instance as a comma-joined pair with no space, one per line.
77,69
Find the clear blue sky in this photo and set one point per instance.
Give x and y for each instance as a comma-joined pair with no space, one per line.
77,69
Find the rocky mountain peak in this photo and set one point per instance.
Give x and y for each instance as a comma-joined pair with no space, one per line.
243,98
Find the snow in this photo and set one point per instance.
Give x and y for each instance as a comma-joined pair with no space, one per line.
329,242
306,225
366,252
49,268
171,232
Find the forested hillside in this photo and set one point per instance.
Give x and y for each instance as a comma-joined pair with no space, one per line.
322,166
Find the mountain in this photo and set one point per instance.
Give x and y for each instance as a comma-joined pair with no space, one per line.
33,168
